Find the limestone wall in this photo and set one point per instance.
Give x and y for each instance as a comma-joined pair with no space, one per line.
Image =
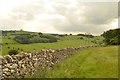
27,63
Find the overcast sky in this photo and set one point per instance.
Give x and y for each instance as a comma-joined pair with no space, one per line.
59,16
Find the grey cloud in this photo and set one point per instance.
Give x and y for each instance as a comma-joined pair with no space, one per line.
79,17
119,9
10,24
21,15
94,17
101,13
25,12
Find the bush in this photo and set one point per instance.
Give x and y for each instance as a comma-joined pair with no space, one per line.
80,38
27,39
39,40
44,40
23,39
47,38
12,52
6,43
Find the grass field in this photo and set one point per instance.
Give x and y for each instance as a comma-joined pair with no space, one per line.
101,62
68,41
63,42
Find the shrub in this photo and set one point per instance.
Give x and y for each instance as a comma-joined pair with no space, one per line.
8,47
6,43
23,38
40,33
12,52
80,38
9,38
26,39
51,38
44,40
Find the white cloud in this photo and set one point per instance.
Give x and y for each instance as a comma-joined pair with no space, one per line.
58,16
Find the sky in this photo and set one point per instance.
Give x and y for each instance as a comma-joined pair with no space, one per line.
59,16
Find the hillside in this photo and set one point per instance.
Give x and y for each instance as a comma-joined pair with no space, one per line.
63,41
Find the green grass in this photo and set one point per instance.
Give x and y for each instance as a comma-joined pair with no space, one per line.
99,62
69,41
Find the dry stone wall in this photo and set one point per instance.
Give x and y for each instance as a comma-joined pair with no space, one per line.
17,66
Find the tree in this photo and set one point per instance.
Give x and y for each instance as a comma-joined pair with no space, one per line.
21,29
39,33
112,37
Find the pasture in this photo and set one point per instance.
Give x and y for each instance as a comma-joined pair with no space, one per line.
100,62
63,42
